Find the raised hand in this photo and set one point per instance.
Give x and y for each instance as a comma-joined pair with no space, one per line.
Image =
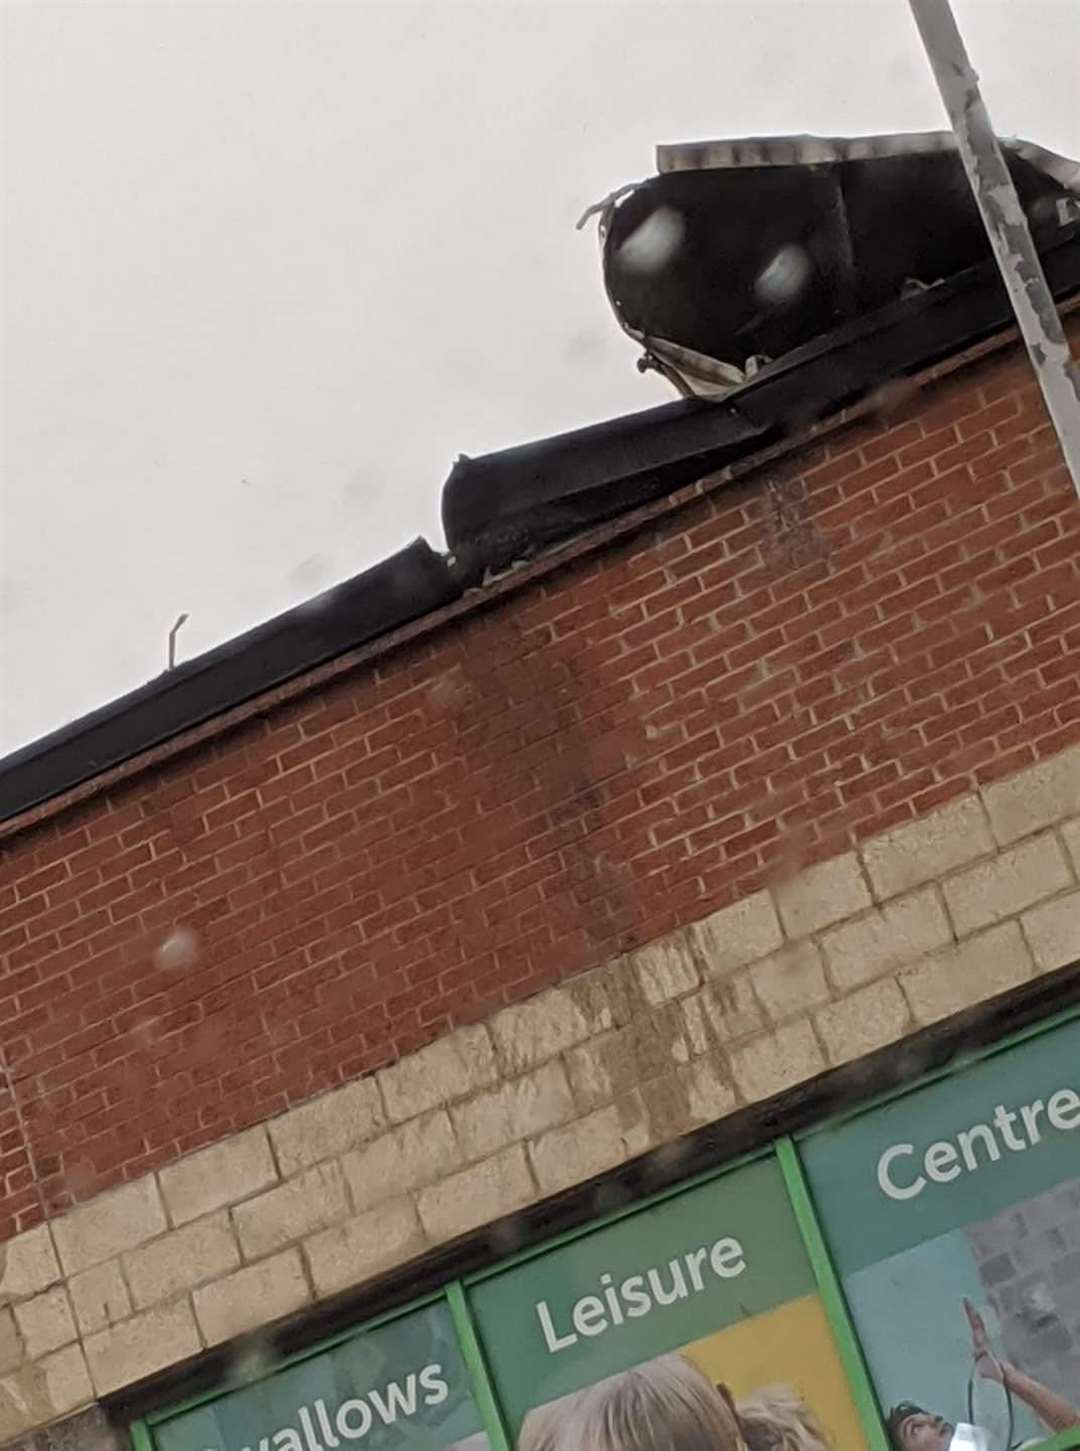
986,1363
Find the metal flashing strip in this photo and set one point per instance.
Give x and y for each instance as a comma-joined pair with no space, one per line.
796,150
821,150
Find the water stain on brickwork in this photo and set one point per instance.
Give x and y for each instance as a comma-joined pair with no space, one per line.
793,539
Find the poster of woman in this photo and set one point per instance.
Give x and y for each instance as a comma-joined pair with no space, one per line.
669,1404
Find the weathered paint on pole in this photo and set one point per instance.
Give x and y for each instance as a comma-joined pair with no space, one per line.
1006,224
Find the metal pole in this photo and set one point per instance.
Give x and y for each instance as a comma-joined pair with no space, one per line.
1006,225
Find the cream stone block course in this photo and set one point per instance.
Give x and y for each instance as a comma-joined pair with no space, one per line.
791,981
448,1069
776,1061
22,1402
27,1264
722,1012
67,1381
251,1297
587,1147
100,1297
710,1094
1070,835
665,969
658,1111
327,1126
43,1391
312,1201
904,930
529,1033
117,1220
736,935
1006,884
867,1020
616,1062
516,1110
45,1322
968,973
226,1172
11,1346
1036,797
922,850
477,1195
140,1346
821,895
611,991
404,1159
185,1257
1053,932
362,1247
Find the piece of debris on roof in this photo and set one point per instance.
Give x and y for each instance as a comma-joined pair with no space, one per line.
738,252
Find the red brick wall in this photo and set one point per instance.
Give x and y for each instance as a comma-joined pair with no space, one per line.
759,679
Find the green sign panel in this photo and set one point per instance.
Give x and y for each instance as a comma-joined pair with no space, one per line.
667,1276
399,1387
958,1150
953,1215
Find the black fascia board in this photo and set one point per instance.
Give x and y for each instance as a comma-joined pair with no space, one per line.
410,583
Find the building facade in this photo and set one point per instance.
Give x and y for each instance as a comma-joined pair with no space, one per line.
658,952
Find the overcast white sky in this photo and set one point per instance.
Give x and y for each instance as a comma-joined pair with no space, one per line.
268,267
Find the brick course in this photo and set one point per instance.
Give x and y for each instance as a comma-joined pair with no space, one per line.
756,681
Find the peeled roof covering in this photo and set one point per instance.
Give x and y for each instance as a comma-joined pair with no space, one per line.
505,506
738,252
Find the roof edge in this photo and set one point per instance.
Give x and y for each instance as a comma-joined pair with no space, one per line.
469,600
412,582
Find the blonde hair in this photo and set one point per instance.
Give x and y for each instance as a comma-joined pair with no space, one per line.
778,1420
665,1405
668,1404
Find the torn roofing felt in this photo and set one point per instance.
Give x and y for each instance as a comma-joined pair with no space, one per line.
506,505
739,252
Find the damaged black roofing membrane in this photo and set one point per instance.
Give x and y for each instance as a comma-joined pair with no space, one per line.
501,508
498,508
